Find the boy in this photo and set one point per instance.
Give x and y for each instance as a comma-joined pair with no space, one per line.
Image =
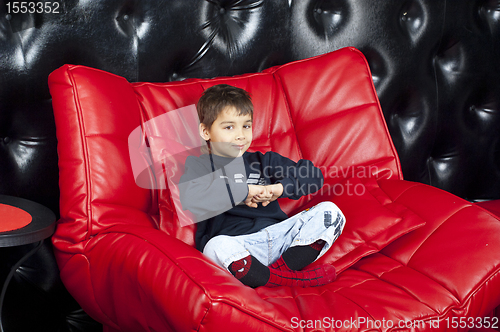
233,195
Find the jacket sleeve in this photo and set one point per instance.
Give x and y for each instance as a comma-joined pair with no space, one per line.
298,178
208,193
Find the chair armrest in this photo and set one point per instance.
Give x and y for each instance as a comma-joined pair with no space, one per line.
153,280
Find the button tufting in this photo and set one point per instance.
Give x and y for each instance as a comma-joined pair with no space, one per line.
231,34
377,65
329,17
452,59
482,116
412,19
130,19
489,13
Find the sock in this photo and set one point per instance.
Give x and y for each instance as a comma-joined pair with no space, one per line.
297,258
318,276
318,245
280,265
250,271
253,273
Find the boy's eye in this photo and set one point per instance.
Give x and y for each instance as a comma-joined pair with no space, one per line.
229,127
247,126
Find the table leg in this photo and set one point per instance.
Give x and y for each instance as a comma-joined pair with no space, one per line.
11,274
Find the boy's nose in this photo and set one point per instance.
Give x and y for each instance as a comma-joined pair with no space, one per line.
240,135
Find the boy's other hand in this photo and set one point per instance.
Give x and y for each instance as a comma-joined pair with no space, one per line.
273,192
255,191
263,194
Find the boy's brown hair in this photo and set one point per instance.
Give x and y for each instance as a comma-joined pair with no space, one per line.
216,98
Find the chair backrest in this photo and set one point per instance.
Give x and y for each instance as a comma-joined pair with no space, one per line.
324,109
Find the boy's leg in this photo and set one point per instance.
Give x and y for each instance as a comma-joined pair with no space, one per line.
231,253
223,250
298,257
250,271
319,226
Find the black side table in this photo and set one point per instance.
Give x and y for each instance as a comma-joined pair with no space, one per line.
36,223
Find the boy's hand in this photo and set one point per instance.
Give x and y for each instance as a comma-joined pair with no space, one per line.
273,192
263,194
255,195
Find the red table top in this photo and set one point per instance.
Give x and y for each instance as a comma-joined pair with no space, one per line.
12,218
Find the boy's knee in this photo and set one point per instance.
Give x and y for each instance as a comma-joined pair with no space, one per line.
224,249
332,215
327,205
215,244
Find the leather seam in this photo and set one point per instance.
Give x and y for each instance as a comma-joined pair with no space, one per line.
290,119
85,152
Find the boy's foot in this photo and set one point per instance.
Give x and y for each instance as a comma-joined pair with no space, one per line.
280,265
250,271
298,257
253,273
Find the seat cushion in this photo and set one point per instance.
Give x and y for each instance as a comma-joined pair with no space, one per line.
447,267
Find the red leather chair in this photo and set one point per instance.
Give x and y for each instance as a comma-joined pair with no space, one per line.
410,256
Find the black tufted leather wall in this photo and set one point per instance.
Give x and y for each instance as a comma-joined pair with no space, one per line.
435,66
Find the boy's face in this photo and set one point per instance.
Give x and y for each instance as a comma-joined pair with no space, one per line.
230,134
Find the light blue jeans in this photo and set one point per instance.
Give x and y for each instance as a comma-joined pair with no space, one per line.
323,221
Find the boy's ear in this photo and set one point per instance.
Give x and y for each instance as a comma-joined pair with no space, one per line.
204,133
